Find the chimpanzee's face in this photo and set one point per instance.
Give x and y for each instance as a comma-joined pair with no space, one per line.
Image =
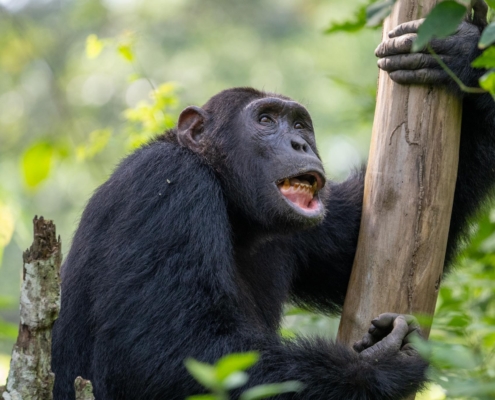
276,163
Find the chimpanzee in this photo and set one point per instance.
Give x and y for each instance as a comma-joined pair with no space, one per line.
193,245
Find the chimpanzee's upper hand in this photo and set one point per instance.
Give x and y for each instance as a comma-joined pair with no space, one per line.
389,333
457,51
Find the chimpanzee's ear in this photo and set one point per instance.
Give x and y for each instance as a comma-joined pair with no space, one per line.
190,127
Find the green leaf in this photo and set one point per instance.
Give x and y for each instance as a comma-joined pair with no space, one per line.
203,373
353,25
377,12
488,36
94,46
98,140
6,302
235,362
486,59
235,380
125,50
270,390
442,21
287,333
36,163
8,330
487,81
491,3
202,397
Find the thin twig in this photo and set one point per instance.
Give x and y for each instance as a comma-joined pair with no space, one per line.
454,77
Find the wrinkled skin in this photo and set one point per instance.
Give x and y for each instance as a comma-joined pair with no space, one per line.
389,333
192,247
421,68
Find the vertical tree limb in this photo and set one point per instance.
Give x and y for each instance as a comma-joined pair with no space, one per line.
409,189
30,376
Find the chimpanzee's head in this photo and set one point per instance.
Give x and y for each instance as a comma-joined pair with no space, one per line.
263,148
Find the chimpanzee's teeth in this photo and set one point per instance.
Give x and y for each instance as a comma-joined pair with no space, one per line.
299,186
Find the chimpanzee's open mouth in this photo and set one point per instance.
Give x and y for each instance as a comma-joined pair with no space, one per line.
302,190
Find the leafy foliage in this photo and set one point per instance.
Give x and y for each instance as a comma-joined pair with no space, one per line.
37,162
352,25
146,120
442,21
462,343
369,15
377,12
488,36
229,373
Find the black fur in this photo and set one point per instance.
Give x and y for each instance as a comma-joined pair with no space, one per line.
166,265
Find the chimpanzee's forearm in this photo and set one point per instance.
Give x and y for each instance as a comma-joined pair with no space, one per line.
324,255
476,173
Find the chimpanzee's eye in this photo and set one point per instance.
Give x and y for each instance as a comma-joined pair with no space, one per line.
298,125
265,119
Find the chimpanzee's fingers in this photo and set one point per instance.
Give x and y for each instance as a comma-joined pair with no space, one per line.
378,334
420,77
367,340
395,338
409,62
364,343
385,320
391,342
479,13
413,334
407,27
397,45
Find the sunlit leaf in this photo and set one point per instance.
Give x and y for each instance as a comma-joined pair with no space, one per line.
442,21
94,46
377,12
36,163
453,356
354,25
487,81
270,390
287,333
202,397
6,302
98,140
235,362
203,373
8,330
235,380
488,36
486,60
491,3
125,50
471,388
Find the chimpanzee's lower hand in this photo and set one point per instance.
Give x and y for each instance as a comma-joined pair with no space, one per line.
456,51
389,333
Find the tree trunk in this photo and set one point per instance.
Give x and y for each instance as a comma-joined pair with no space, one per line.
409,189
30,376
84,389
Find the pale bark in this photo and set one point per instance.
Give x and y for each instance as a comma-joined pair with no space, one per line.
408,197
30,376
84,389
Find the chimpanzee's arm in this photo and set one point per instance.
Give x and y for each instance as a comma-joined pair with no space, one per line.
476,173
325,254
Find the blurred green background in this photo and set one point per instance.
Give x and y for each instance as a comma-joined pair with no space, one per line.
75,85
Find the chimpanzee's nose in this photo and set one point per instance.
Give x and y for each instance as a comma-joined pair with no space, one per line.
299,144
